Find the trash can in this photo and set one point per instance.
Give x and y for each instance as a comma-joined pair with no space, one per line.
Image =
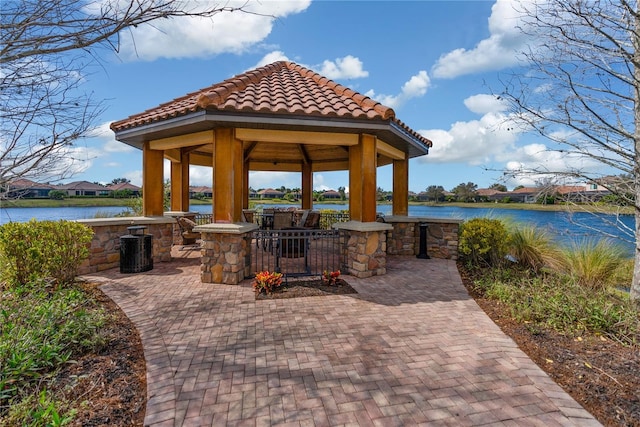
136,250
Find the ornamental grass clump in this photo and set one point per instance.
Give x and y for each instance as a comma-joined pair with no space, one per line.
594,264
532,247
266,282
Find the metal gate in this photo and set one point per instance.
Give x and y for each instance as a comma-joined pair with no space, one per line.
296,252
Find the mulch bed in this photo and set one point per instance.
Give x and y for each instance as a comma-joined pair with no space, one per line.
308,288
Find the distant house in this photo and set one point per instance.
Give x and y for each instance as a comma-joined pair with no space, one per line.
206,191
253,194
581,193
493,195
525,195
270,193
27,189
332,195
84,188
135,190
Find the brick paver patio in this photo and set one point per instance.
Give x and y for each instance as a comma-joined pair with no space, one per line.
410,348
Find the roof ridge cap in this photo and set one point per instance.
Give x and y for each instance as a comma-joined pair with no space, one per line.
342,90
218,93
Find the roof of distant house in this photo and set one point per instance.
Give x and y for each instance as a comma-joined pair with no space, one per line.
82,185
25,183
123,186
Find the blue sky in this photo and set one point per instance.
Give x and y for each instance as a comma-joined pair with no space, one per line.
434,62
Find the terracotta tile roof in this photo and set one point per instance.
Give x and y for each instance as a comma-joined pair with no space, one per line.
281,88
526,190
82,185
123,186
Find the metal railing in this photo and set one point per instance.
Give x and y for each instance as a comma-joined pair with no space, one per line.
327,219
296,252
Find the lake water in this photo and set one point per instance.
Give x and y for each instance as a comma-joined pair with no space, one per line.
565,226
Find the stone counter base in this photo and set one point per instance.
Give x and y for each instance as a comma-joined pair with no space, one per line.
104,249
442,236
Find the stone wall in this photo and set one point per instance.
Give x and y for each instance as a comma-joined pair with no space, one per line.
104,249
226,252
442,236
365,247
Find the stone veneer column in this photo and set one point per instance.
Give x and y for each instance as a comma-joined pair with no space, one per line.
226,252
442,236
365,248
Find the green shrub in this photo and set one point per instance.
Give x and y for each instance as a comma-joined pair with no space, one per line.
42,250
39,331
57,195
484,241
560,303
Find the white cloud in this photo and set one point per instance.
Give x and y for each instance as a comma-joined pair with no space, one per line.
189,37
262,179
105,136
499,51
477,141
200,176
276,55
415,87
348,67
484,103
134,176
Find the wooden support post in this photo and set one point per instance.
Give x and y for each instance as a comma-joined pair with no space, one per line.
355,182
369,180
401,187
307,186
180,184
362,179
245,185
228,168
152,181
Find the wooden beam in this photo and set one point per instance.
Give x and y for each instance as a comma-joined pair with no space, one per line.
174,155
200,159
187,140
297,137
330,165
304,154
390,151
277,167
247,152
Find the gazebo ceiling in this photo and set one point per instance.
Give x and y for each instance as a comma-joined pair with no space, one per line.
285,114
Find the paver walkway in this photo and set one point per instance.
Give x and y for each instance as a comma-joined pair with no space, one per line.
410,348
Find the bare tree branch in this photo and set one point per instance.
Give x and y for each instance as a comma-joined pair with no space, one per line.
46,50
582,91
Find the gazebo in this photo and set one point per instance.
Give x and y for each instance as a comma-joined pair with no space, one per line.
279,117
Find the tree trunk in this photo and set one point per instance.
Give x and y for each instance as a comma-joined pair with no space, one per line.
635,283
